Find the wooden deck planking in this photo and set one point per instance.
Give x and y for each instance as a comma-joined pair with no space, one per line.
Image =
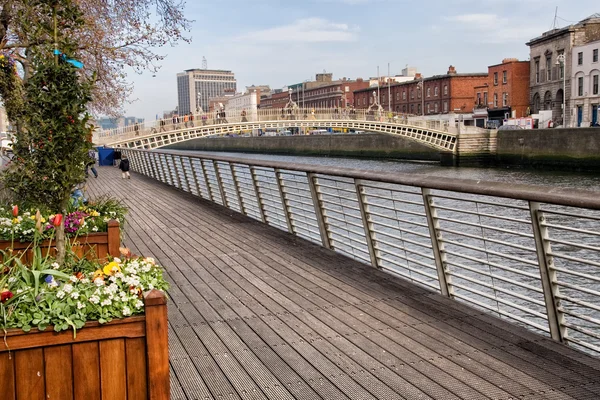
258,313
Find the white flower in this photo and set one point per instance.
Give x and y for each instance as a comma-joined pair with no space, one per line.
126,311
73,278
75,295
68,288
99,281
80,305
19,291
53,283
139,304
85,280
150,286
106,302
55,265
113,279
94,299
119,275
95,229
60,294
149,260
11,279
117,260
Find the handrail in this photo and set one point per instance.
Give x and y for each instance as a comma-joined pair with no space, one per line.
542,194
525,253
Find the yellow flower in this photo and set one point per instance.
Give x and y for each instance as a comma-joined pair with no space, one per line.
32,217
43,220
98,274
16,220
112,268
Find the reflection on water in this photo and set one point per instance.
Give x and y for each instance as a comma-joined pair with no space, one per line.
564,179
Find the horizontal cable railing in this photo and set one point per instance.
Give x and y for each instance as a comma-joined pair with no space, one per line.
527,254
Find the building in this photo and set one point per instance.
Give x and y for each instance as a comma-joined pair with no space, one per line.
119,122
196,86
277,99
335,94
408,74
586,73
439,94
247,102
551,80
218,102
505,94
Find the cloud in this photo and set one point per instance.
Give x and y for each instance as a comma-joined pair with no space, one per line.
491,28
308,30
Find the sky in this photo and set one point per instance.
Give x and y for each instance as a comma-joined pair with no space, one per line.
281,42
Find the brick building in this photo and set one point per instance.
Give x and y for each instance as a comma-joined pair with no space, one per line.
439,94
336,94
506,92
275,100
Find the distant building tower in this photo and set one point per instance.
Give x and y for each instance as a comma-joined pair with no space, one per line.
196,86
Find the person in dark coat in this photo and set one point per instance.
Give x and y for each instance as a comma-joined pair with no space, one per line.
124,167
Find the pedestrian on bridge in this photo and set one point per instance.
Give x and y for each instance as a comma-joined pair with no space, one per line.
244,119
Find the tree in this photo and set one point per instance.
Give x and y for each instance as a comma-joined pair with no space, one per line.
115,35
51,146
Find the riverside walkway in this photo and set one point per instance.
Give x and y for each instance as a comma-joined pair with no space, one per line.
256,313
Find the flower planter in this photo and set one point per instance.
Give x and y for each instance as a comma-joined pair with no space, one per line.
94,245
124,359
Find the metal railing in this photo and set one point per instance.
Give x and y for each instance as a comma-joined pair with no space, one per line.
527,254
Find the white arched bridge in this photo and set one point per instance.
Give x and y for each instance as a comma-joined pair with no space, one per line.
436,134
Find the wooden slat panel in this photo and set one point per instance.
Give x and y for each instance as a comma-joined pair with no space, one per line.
86,364
129,328
7,375
29,371
136,369
113,376
58,365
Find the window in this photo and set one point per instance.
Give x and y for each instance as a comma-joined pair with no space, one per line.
436,91
478,99
580,58
495,78
404,95
504,76
428,108
595,55
445,106
495,99
412,94
445,90
504,99
595,84
419,93
370,100
412,108
397,96
428,92
435,108
537,71
548,68
561,67
580,86
485,99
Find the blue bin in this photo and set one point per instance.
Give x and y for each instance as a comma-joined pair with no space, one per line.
106,156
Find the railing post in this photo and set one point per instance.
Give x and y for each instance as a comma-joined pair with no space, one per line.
437,245
157,345
195,175
163,168
184,173
237,189
284,202
261,208
152,163
211,195
220,182
316,198
175,180
367,225
556,318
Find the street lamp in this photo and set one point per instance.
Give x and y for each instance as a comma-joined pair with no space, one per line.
198,95
561,61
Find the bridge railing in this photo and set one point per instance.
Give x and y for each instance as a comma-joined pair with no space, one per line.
527,254
262,115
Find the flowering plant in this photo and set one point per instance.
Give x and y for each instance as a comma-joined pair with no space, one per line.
68,296
82,220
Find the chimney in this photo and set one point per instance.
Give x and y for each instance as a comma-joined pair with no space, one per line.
418,76
451,70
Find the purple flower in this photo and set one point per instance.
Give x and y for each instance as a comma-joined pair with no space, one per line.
49,278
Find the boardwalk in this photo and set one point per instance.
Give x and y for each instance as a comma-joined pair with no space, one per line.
256,313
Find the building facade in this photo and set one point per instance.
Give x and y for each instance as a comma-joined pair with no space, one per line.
247,103
585,94
338,94
551,80
439,94
505,94
195,88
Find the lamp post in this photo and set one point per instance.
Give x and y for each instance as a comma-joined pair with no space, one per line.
198,95
561,61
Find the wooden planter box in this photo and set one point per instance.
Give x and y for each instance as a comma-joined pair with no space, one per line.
124,359
94,246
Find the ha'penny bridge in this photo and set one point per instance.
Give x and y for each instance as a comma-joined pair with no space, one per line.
451,140
292,281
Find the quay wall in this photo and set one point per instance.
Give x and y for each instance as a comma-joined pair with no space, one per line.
560,148
362,145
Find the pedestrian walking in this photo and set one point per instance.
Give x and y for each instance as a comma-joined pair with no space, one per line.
91,164
124,167
244,119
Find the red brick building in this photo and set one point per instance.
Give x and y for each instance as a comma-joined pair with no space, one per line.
506,92
275,100
337,94
439,94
